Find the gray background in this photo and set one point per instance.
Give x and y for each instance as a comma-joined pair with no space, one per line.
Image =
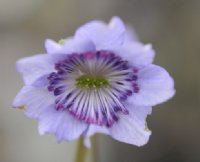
172,26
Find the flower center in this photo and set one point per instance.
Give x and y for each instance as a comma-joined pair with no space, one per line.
93,86
87,81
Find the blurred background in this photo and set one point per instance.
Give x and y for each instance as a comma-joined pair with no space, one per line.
172,26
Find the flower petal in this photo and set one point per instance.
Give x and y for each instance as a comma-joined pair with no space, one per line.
139,113
92,129
117,31
52,46
156,86
41,81
136,53
77,45
131,128
35,100
65,126
35,67
131,35
103,35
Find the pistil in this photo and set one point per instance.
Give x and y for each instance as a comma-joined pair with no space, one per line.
89,81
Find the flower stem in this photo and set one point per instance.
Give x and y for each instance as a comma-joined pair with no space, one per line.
81,151
94,148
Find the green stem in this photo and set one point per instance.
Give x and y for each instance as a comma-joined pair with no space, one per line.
94,148
81,151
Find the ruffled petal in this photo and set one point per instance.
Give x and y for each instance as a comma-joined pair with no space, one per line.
131,35
117,31
93,129
103,36
35,100
65,126
77,45
52,46
139,114
34,67
155,84
132,128
136,53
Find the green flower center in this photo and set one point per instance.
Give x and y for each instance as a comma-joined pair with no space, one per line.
88,81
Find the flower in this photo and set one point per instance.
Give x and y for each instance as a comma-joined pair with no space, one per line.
101,80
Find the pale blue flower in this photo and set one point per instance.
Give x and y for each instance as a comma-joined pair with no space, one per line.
101,80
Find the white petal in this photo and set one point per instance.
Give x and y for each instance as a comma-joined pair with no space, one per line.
52,46
61,123
103,36
136,53
131,128
35,100
34,67
156,86
92,129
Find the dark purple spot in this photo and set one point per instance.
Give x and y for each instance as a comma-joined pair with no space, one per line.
59,91
68,96
123,67
82,117
52,76
128,79
89,55
114,117
117,63
54,82
90,120
97,115
117,108
120,83
134,85
50,88
123,97
72,112
129,92
100,123
103,54
62,72
57,66
59,106
69,105
125,112
109,123
134,77
136,89
135,70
